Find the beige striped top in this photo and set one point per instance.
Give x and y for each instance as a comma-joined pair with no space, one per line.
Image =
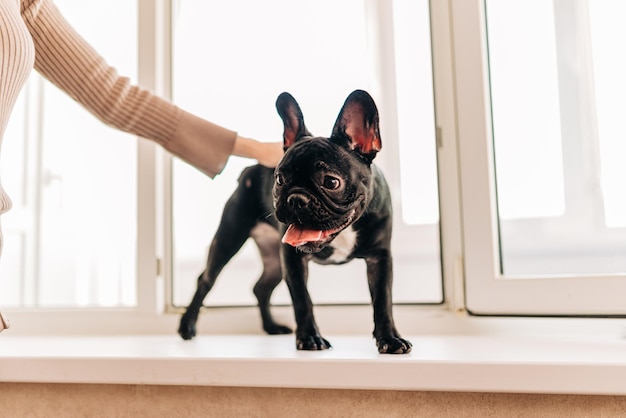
33,33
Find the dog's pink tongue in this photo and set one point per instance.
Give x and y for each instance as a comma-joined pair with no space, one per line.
298,235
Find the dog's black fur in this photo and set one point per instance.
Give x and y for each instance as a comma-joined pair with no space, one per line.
330,203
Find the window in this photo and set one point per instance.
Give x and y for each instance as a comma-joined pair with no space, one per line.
319,52
544,223
503,147
70,238
554,104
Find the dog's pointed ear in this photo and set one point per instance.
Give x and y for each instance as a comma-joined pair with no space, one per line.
358,123
293,121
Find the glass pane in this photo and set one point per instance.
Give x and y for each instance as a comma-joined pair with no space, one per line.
319,52
416,124
72,240
557,103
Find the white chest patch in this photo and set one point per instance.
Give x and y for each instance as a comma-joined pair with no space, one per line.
343,245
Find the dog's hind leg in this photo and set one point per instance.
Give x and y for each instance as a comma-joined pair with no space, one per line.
230,237
268,241
187,327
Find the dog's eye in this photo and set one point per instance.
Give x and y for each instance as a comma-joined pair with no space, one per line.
331,182
280,180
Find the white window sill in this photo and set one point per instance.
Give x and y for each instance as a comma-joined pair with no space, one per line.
467,363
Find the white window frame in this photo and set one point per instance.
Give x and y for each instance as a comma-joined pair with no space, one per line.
453,351
408,240
488,291
153,314
469,234
153,44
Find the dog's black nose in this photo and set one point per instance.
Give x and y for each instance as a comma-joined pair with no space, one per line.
297,201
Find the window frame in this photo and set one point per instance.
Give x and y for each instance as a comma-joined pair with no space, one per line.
441,331
379,25
471,274
152,312
488,291
152,68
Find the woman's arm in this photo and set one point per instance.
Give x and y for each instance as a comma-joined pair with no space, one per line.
67,60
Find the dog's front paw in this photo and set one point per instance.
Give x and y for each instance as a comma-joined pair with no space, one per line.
313,343
187,327
393,345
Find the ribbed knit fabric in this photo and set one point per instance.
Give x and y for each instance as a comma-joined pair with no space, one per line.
17,55
33,32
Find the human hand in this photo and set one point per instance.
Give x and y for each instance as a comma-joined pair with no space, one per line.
266,153
270,153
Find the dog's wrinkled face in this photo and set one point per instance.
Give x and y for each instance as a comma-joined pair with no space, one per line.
323,185
318,191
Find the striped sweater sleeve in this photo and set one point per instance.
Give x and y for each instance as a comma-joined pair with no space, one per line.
63,57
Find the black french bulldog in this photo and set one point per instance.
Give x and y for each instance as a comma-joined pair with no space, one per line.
331,204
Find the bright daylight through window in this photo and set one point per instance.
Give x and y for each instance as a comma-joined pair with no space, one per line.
540,148
557,102
70,237
517,132
319,65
